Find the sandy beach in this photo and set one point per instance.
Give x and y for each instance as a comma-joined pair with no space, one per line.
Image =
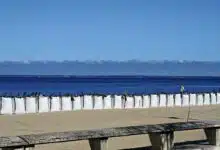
79,120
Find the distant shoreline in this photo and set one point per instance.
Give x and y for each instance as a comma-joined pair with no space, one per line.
111,68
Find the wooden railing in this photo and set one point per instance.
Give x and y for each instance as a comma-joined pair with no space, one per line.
161,135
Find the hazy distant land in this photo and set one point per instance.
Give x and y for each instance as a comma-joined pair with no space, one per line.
132,67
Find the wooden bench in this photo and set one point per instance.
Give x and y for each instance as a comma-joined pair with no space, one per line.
161,135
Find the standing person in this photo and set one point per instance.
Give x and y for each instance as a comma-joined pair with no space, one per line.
182,89
181,93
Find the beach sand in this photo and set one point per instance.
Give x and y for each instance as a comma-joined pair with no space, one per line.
78,120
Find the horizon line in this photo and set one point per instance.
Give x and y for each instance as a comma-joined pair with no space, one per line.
112,61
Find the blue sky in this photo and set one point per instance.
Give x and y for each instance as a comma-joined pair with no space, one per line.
109,30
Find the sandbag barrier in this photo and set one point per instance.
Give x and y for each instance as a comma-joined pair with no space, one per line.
42,104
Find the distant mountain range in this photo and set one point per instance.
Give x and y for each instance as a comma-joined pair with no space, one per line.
131,67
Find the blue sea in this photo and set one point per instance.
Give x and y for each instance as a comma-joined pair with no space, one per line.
77,85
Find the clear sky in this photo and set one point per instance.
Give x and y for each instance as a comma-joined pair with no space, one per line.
109,30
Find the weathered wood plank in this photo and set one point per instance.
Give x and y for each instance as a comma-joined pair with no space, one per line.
12,141
57,137
115,132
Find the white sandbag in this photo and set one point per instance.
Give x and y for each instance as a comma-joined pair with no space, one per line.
77,103
206,99
146,101
170,100
200,99
7,105
98,102
185,100
66,103
107,102
218,98
43,104
19,105
138,102
129,103
213,99
88,102
192,99
163,100
178,100
118,102
154,100
31,104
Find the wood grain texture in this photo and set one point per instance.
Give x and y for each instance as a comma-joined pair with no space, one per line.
13,141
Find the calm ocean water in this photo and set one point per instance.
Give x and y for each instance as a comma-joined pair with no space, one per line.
55,85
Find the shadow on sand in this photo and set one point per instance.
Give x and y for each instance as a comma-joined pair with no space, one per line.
184,145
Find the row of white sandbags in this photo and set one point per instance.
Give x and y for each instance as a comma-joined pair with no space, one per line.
20,105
